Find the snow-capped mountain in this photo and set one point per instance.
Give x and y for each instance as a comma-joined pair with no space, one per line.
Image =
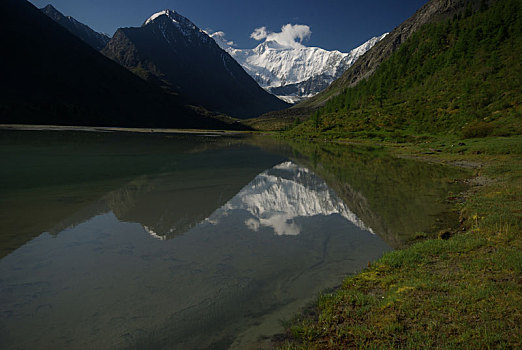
280,195
293,72
91,37
170,50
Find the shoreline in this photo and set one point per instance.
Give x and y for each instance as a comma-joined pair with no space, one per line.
452,291
26,127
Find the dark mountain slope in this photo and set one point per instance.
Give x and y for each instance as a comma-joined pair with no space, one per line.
49,76
91,37
365,66
461,76
171,50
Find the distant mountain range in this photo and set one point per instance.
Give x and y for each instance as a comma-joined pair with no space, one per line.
188,78
294,73
170,50
91,37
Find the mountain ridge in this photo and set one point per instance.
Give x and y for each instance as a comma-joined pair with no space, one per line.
84,32
73,84
170,50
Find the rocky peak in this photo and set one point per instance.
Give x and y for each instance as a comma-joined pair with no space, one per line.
173,16
173,52
169,20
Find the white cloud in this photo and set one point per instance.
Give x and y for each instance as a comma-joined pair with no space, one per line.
259,33
222,35
221,40
291,35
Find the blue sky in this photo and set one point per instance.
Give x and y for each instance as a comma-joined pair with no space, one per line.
335,24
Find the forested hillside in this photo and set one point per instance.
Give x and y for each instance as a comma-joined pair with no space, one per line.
461,76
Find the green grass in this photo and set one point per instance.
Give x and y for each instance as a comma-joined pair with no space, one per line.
451,94
459,293
461,77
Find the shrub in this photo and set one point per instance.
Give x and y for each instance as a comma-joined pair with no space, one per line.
478,129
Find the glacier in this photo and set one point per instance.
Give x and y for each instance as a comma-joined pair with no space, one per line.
293,72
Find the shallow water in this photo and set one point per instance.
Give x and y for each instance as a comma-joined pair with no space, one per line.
183,242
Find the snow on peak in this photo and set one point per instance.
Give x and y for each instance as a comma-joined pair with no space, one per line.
182,24
156,15
282,60
175,17
169,13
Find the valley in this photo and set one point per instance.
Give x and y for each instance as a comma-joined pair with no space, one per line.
171,186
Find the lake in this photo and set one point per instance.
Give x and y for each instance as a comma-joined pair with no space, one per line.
154,241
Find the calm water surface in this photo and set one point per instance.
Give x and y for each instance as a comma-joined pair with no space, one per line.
116,241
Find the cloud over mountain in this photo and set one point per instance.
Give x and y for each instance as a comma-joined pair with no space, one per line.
259,33
220,39
291,35
285,67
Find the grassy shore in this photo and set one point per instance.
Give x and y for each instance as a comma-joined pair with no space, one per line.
459,291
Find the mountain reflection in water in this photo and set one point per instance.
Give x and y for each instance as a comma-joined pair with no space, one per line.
185,242
100,277
277,196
